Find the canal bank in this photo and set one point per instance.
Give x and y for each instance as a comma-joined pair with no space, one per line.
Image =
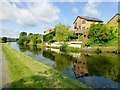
27,72
101,67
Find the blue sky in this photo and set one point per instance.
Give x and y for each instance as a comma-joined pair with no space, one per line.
36,17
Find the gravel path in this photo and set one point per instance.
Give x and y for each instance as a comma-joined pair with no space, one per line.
4,79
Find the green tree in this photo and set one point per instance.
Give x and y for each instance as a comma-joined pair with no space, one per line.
30,34
62,32
4,39
105,34
22,40
23,34
49,37
93,32
102,34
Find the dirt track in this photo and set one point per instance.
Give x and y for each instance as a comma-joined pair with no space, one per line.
4,77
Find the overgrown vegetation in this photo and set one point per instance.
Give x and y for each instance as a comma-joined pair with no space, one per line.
31,39
66,48
4,39
26,72
103,35
61,33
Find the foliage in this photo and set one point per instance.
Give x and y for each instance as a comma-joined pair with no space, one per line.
30,34
72,49
66,48
31,39
93,32
4,39
62,32
49,37
63,47
72,36
105,34
23,34
22,40
88,43
102,34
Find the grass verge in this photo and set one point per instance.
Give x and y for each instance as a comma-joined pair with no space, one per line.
25,72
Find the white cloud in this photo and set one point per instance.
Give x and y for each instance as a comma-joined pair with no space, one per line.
9,32
29,16
44,11
91,8
75,10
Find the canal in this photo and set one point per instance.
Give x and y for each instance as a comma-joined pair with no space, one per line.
94,70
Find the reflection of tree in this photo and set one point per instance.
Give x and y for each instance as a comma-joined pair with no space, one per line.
34,49
80,66
63,61
23,48
103,66
49,54
113,74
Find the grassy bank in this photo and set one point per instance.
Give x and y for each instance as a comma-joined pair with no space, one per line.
26,72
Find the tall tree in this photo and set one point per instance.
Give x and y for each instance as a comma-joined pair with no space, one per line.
23,34
4,39
30,34
62,32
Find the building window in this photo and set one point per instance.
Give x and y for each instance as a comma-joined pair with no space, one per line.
83,28
83,21
75,25
79,27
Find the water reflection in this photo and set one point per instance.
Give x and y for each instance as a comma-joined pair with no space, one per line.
33,49
106,66
62,61
80,66
101,69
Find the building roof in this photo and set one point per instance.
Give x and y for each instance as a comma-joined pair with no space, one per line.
89,19
113,17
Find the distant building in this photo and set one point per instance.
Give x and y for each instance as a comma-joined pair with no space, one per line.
48,31
83,23
114,19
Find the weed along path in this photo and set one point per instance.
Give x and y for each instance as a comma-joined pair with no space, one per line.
4,77
25,72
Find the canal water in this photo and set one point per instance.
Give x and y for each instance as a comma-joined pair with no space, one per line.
94,70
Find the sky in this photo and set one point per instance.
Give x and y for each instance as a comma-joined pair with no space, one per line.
33,16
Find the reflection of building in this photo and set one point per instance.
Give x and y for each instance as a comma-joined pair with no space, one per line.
114,19
48,31
80,67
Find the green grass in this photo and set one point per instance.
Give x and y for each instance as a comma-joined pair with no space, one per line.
25,72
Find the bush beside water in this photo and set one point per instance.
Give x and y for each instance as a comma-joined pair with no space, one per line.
66,48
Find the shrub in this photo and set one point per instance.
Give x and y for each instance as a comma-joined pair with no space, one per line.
72,49
63,47
66,48
4,39
88,43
